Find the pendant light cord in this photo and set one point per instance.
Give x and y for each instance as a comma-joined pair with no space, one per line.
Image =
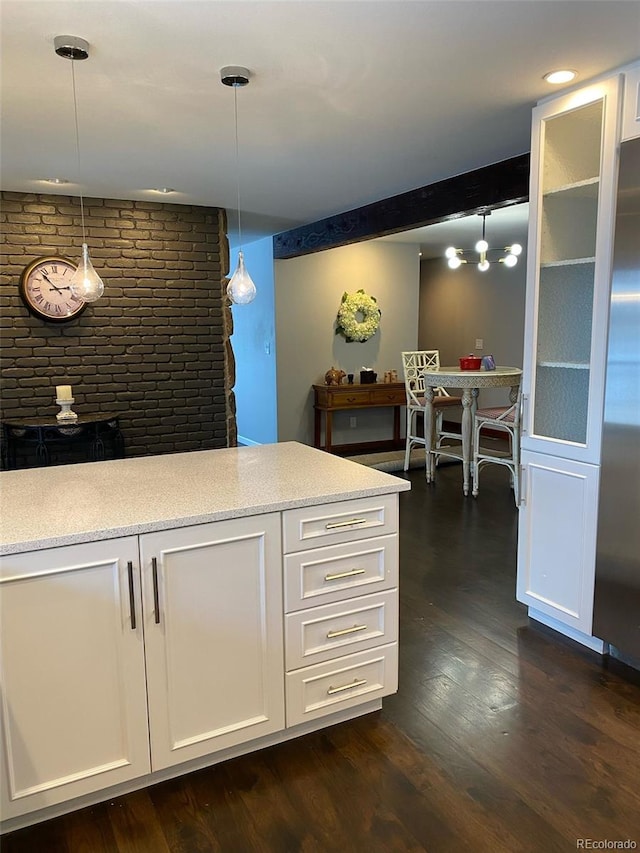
235,112
75,114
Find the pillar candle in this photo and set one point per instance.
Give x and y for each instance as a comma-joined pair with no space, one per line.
63,392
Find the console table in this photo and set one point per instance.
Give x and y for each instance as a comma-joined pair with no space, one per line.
338,398
46,441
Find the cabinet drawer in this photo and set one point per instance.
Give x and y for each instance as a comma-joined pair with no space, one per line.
343,683
344,521
387,398
324,575
323,633
355,398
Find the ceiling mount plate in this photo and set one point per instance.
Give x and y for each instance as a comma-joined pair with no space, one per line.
71,47
234,75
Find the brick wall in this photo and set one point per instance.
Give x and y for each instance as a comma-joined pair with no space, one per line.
153,349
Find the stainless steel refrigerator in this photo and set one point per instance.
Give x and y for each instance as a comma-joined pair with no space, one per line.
616,617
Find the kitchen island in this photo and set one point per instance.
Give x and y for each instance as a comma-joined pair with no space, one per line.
163,613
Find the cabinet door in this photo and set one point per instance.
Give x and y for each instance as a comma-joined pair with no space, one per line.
631,108
572,203
556,538
74,716
214,636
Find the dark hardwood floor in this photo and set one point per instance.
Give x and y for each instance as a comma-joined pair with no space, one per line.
502,737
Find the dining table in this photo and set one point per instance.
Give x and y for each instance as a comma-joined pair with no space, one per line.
469,382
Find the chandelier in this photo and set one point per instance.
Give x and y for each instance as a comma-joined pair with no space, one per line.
509,253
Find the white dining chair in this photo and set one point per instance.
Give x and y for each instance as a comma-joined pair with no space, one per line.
414,364
506,421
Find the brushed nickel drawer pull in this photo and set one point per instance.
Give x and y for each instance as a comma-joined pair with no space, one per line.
354,683
343,631
156,596
132,600
332,525
351,573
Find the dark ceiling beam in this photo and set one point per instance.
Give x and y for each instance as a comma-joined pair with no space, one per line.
499,185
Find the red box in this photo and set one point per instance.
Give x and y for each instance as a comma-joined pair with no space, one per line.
470,362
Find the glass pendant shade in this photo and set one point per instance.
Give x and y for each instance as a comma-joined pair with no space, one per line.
241,290
85,283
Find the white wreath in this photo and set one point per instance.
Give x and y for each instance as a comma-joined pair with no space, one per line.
358,316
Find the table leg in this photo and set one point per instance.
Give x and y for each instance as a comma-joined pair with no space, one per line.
468,401
317,423
429,434
328,423
396,425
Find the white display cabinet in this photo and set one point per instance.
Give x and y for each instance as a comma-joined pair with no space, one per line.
572,212
570,241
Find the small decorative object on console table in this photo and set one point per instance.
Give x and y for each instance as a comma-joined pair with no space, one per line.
64,399
334,376
367,376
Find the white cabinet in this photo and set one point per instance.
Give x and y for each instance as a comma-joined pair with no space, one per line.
213,636
124,658
572,212
80,669
341,601
74,705
557,538
631,103
572,204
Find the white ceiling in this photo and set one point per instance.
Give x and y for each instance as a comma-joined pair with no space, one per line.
349,102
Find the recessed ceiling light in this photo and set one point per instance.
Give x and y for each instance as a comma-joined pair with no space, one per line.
164,190
561,76
55,181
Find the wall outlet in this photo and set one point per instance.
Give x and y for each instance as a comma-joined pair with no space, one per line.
353,423
479,343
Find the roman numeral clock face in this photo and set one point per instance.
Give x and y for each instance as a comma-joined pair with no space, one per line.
45,290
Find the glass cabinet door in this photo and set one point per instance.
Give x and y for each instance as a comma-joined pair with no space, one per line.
569,270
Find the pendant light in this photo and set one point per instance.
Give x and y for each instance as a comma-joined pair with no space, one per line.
85,283
510,259
241,290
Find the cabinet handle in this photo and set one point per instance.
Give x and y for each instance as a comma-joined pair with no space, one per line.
348,574
354,683
333,524
521,497
343,631
524,398
156,597
132,600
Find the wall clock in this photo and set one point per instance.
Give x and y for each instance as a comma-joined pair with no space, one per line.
45,290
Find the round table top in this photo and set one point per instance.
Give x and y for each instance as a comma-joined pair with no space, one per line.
457,378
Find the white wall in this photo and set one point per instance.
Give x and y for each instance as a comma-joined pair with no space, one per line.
458,306
308,291
253,343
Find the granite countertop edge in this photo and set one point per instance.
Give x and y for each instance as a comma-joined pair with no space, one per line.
290,475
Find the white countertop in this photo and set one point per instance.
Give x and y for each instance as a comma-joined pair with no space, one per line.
67,504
